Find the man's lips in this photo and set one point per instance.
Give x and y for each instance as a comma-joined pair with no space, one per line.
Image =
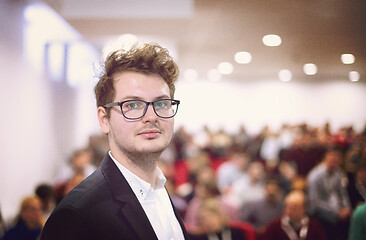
150,133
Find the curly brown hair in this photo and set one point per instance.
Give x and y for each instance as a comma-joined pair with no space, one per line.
148,59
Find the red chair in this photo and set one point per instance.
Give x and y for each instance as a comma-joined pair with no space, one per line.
247,229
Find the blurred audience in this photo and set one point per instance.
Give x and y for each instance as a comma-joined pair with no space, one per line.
357,184
287,175
46,194
270,149
214,223
80,163
328,197
29,223
64,188
70,176
294,223
237,171
205,188
249,187
260,212
231,170
305,152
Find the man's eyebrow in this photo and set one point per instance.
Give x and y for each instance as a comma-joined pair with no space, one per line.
162,97
130,98
140,98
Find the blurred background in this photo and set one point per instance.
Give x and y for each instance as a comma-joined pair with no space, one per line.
248,63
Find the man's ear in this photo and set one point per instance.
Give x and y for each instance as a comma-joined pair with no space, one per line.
103,120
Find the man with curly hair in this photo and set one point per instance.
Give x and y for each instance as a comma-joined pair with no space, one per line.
125,197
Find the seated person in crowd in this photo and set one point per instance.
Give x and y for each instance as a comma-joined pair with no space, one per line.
260,212
46,194
29,223
214,223
328,197
357,184
231,170
205,188
80,163
247,188
294,223
63,189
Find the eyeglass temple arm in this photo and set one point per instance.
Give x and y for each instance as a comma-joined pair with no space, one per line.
108,105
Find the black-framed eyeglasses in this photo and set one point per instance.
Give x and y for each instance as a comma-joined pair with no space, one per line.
136,109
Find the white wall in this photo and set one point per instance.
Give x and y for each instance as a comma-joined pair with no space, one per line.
270,102
41,121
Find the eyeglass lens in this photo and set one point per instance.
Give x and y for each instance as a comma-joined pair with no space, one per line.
134,109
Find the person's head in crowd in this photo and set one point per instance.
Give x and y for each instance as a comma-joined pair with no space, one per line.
355,155
198,161
240,158
273,191
212,217
295,206
46,194
361,173
205,175
332,159
256,172
205,189
299,183
81,159
287,172
31,212
98,145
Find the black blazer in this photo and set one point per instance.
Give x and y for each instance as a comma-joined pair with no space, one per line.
102,207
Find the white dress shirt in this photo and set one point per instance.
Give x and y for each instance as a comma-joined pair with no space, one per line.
156,204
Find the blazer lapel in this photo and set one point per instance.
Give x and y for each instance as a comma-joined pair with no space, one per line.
131,208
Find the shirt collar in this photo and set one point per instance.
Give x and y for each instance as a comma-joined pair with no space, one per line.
141,188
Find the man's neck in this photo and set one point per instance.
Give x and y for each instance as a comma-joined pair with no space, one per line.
142,165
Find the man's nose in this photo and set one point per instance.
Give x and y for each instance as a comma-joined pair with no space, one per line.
150,113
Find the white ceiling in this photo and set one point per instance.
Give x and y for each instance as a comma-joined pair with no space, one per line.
207,32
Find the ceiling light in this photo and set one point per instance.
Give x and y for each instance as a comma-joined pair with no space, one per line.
243,57
310,69
285,75
354,76
348,58
190,75
272,40
214,75
225,68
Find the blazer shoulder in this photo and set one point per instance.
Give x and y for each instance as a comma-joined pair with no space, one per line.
68,223
92,189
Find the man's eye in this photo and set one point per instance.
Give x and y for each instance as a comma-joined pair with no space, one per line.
134,105
162,104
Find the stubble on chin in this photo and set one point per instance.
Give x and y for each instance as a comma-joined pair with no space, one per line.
145,152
